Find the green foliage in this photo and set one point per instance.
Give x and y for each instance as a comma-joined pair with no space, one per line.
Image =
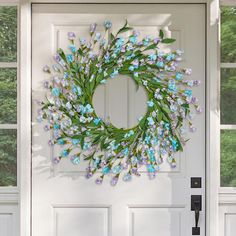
228,34
8,94
8,34
228,158
8,155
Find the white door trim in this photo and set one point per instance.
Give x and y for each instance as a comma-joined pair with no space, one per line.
212,112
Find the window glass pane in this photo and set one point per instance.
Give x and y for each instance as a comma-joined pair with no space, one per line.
8,160
228,96
8,33
8,95
228,158
228,34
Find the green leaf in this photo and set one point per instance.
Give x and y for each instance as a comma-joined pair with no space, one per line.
152,46
168,40
161,34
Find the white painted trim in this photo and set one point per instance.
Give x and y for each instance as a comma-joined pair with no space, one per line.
228,2
8,126
233,127
9,2
213,119
228,65
212,122
8,64
25,117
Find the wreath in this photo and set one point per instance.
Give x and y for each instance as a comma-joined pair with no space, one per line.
118,152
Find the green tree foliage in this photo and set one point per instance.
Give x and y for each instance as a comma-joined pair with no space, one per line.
228,34
228,96
8,34
8,95
8,91
228,158
8,152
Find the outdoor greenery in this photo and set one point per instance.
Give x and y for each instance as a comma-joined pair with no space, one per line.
228,34
8,33
228,155
8,154
228,96
8,94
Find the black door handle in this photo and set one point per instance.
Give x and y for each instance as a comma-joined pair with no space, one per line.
196,206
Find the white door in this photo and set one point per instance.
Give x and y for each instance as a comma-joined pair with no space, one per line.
64,202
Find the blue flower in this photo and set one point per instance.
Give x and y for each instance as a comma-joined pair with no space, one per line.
170,57
61,141
152,57
75,141
172,86
133,39
167,126
103,81
70,58
150,103
151,168
125,151
127,177
135,74
56,126
86,146
131,68
147,139
71,35
107,24
150,121
116,169
151,155
82,41
160,64
188,93
120,42
105,170
97,36
75,159
96,121
114,73
65,153
66,75
56,92
174,144
89,108
72,48
178,76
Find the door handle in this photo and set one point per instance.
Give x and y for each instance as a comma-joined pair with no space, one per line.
196,206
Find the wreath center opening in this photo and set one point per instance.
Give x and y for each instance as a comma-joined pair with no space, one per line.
120,102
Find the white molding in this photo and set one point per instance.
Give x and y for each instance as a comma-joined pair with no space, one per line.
9,2
233,127
228,2
212,122
213,119
9,198
24,182
8,126
8,64
228,65
227,198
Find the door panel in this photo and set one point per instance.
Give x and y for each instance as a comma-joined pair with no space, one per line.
63,201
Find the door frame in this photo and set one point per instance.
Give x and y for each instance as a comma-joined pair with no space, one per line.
212,107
